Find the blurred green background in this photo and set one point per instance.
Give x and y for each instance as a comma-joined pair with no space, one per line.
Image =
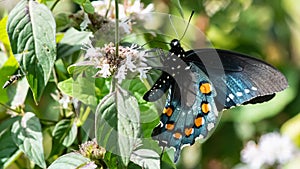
266,29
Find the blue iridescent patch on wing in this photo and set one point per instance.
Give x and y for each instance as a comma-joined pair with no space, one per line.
182,125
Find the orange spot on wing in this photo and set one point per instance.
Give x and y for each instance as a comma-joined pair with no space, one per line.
198,121
205,107
170,126
205,88
177,135
168,111
188,131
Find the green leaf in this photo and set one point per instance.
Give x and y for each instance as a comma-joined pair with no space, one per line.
178,6
3,36
291,128
66,86
72,42
65,132
88,7
79,1
146,158
128,123
118,123
84,88
8,68
62,21
31,30
10,64
81,86
70,161
27,135
7,145
71,136
86,4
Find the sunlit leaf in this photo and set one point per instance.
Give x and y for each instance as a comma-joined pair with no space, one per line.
65,131
27,135
72,42
70,161
31,30
146,158
178,6
117,123
128,123
291,128
66,86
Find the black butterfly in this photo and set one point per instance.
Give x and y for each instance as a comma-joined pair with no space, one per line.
203,82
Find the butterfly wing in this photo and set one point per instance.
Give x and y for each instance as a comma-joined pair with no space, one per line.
180,125
247,79
220,82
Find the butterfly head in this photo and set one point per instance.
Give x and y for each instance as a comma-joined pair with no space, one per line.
175,43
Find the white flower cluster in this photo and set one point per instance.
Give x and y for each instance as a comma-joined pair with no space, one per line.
129,59
107,8
271,149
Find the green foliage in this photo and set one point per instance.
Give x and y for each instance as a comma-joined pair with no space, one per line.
70,161
47,117
27,135
31,29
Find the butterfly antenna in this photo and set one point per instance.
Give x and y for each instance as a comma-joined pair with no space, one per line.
173,25
187,26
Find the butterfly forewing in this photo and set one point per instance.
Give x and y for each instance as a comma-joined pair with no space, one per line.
246,78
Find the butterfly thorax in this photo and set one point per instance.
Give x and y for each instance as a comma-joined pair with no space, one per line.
176,48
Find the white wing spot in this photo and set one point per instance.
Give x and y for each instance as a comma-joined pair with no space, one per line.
239,94
161,124
164,81
200,137
168,77
231,96
254,88
178,67
247,91
210,126
228,99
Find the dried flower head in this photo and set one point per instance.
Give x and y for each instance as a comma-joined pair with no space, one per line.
92,150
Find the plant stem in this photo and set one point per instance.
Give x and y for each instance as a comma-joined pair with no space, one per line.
112,85
117,28
7,107
53,6
109,5
12,159
83,116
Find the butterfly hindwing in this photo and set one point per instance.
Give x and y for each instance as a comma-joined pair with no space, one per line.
182,125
